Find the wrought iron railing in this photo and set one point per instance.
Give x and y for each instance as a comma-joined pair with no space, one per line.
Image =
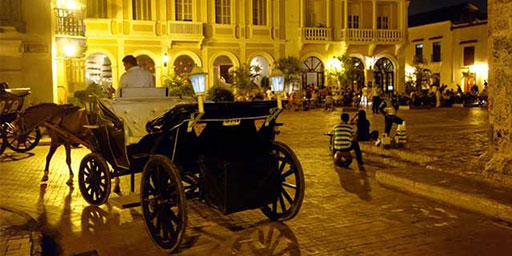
69,22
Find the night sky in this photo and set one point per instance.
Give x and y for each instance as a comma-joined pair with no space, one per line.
418,6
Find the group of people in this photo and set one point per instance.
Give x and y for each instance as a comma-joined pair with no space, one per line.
441,96
346,138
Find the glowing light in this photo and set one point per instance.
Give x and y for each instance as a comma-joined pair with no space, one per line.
370,62
409,70
69,4
334,65
165,59
69,50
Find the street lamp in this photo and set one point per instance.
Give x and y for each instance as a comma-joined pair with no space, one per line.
278,85
165,59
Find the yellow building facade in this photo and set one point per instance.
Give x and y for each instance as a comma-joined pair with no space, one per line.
86,40
454,53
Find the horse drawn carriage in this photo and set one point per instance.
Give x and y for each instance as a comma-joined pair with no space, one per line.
226,156
11,102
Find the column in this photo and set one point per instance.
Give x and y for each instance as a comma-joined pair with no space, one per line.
374,14
302,14
500,85
345,18
328,13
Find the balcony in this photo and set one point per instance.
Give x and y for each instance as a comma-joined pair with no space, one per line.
69,23
185,28
389,35
317,34
360,35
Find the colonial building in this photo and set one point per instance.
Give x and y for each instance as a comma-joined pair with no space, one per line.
452,44
60,46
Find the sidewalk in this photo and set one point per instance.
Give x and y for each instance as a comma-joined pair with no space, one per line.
482,197
19,234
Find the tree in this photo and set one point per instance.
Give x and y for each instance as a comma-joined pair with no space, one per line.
243,79
421,74
291,68
179,85
344,74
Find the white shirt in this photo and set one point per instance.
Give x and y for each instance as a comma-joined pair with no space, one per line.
136,77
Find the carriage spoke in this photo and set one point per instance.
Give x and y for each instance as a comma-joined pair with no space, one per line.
274,206
281,203
288,173
283,164
289,185
287,196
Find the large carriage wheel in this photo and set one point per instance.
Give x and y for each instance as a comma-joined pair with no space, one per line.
21,143
289,201
163,203
3,145
94,179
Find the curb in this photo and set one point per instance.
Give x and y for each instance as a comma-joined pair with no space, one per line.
449,196
403,155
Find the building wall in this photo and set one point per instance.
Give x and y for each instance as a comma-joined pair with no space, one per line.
453,39
118,35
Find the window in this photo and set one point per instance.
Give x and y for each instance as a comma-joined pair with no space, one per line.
141,9
259,12
383,22
436,52
353,21
469,55
97,9
184,10
223,11
419,53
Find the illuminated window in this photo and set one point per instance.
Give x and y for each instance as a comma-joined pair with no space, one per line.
353,21
141,9
184,10
97,9
383,22
469,55
223,11
259,12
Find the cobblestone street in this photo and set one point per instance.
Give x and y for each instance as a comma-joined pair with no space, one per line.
344,212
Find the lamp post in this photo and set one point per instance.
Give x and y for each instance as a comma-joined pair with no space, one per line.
198,79
278,85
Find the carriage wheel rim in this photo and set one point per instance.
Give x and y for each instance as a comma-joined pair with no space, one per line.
162,206
289,200
94,179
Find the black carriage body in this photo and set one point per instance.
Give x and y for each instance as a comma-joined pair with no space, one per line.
10,106
231,153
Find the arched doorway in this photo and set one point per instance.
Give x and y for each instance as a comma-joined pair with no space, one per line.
356,75
183,65
264,70
384,73
314,72
222,66
98,70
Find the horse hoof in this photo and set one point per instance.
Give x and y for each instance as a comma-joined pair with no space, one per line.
117,190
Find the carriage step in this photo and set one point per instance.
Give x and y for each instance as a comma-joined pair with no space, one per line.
127,201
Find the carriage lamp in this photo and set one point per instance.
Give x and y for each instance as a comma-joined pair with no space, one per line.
278,85
198,79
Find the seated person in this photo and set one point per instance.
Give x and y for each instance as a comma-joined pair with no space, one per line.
363,126
135,77
343,138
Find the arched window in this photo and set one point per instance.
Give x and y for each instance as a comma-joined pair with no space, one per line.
314,72
384,73
357,73
183,65
222,65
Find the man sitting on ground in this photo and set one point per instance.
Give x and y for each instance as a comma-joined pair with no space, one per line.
344,138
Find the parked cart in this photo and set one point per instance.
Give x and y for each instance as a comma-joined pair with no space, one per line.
226,156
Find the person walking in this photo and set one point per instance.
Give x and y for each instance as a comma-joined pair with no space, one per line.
344,138
376,99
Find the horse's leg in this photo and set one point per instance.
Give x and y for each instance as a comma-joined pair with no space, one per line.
67,145
53,147
117,188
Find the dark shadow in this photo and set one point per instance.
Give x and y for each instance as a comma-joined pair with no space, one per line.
95,220
14,157
356,183
49,243
271,238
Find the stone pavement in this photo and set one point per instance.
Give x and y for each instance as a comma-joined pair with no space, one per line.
18,234
344,212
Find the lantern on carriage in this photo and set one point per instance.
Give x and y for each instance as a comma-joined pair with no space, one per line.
198,79
278,85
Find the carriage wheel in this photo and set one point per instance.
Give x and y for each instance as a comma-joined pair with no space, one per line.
289,201
3,145
94,179
21,143
163,203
